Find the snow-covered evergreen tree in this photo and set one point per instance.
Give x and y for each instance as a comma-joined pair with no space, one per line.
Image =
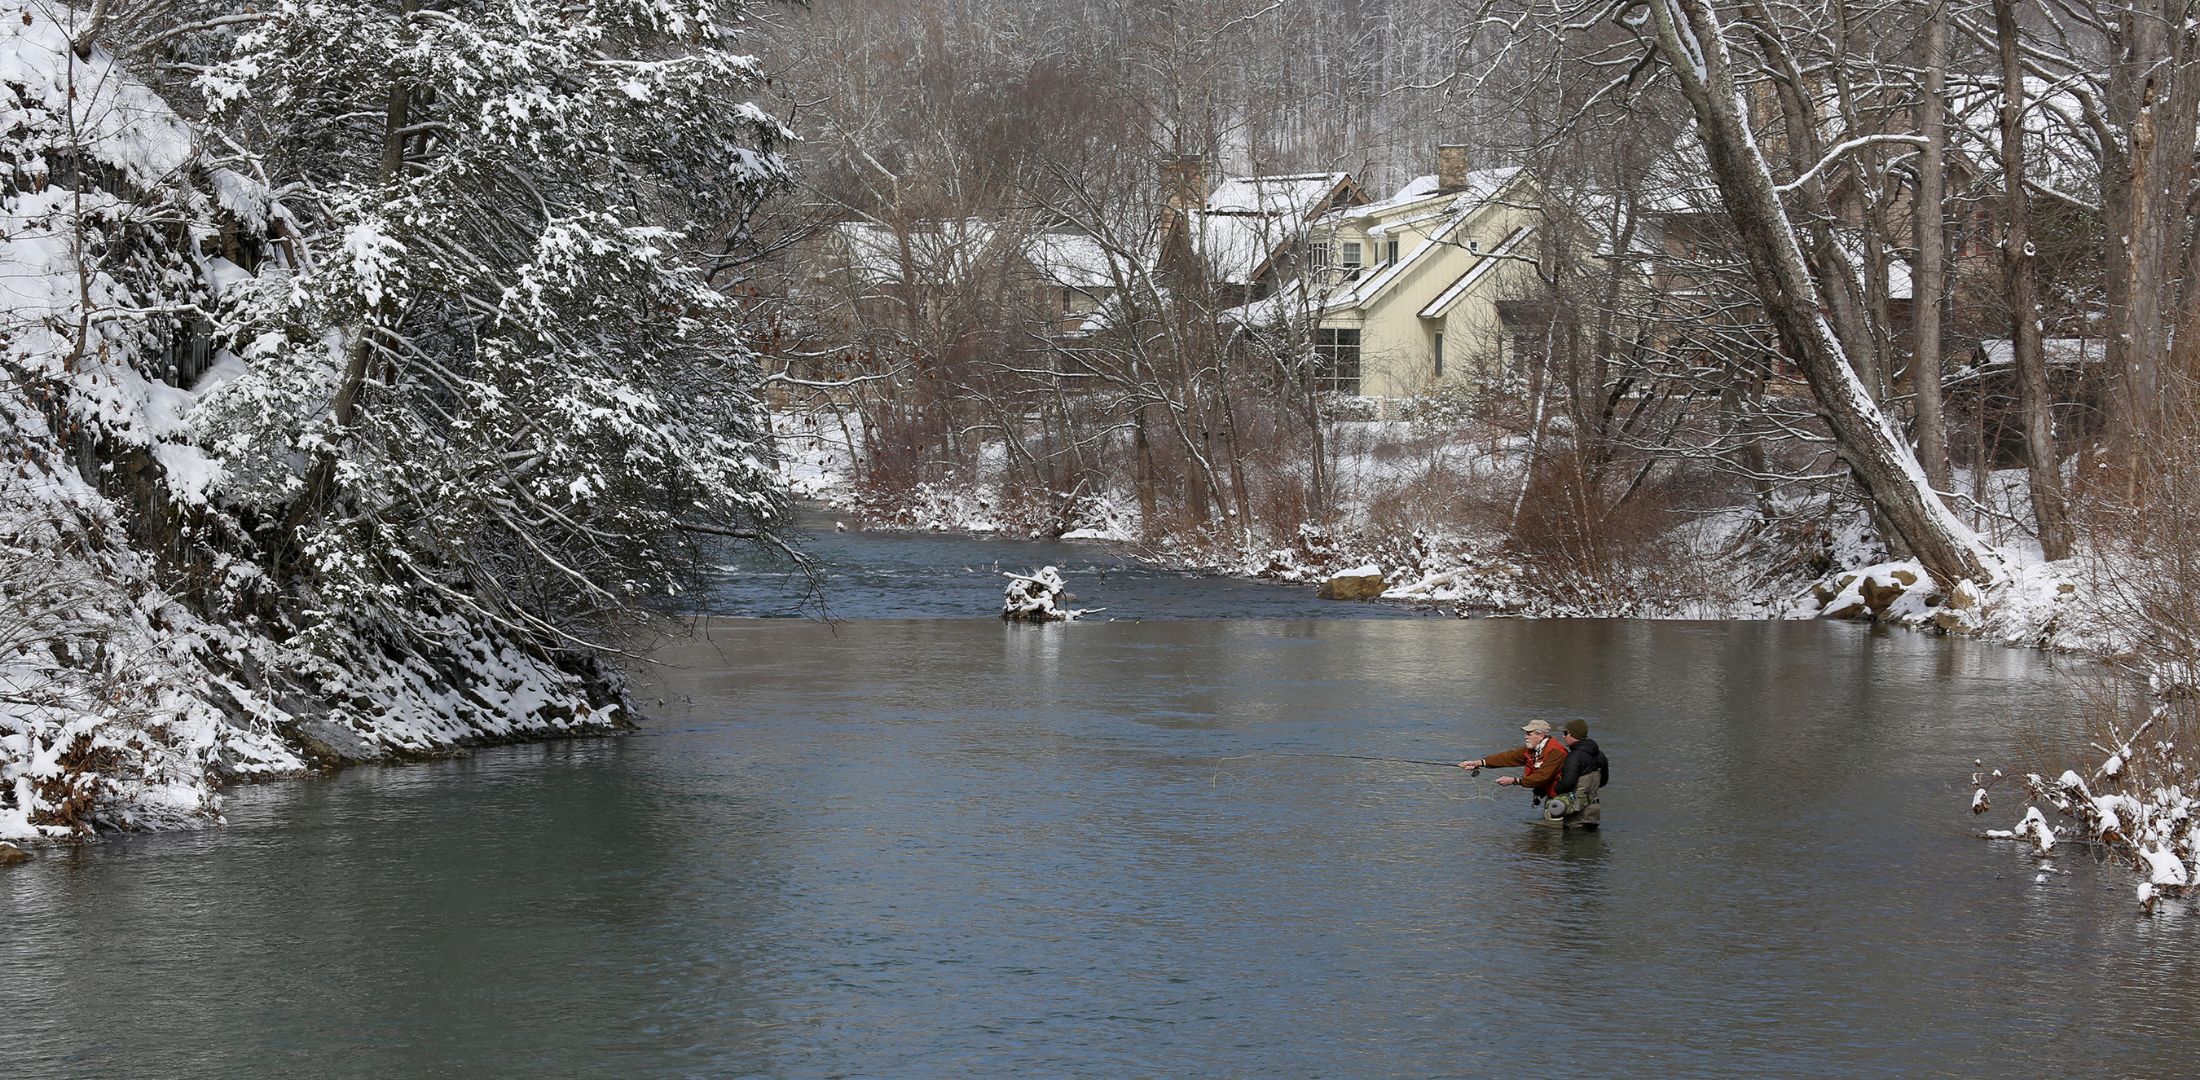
340,419
512,385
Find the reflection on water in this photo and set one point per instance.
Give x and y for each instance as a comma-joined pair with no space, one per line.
962,848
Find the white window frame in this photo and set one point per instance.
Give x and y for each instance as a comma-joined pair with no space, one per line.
1337,360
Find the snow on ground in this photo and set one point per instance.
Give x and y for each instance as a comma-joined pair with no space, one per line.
122,707
816,453
816,460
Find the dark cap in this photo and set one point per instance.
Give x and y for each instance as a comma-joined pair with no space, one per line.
1577,728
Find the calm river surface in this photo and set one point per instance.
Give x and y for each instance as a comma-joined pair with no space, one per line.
950,847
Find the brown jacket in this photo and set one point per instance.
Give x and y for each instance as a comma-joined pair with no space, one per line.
1541,773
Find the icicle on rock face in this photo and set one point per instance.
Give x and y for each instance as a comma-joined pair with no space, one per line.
1038,597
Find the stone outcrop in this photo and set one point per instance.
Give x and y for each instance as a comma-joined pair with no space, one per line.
1360,583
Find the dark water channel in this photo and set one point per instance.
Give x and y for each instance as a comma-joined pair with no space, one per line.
939,847
885,575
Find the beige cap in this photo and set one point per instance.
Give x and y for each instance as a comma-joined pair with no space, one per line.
1540,727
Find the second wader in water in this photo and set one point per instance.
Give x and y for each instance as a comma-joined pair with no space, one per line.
1573,802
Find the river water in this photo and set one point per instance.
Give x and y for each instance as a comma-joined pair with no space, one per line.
918,847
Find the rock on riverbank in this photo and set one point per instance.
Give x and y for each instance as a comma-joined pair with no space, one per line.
1359,583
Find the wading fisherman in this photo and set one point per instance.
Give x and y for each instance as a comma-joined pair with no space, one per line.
1539,756
1581,776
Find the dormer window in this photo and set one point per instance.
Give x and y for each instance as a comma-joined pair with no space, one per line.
1349,259
1390,251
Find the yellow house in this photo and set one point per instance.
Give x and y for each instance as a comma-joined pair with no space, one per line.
1414,291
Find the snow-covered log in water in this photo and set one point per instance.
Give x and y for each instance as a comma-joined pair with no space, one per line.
1039,597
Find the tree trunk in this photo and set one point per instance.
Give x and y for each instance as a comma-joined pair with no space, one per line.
1930,279
2153,96
1318,440
1142,475
1868,189
358,347
1691,41
1238,487
2035,402
2185,331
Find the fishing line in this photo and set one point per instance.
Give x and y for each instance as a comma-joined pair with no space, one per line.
1485,792
1385,760
1344,757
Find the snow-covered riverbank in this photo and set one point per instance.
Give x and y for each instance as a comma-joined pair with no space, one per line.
293,474
1718,564
123,708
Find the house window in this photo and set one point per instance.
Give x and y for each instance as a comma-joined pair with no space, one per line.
1390,251
1438,353
1351,262
1337,361
1318,252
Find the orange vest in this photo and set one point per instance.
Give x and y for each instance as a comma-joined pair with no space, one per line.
1535,761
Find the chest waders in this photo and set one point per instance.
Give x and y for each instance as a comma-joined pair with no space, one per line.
1577,808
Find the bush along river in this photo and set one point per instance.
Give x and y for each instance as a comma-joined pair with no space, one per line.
919,841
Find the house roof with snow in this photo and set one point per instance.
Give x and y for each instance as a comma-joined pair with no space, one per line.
878,254
1250,222
1238,248
1475,275
1430,217
1898,271
1425,219
1412,191
1078,260
1304,196
2059,139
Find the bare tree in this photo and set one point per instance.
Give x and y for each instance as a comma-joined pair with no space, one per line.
1930,276
1691,38
2019,259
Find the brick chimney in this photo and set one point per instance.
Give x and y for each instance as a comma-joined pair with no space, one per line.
1451,169
1184,183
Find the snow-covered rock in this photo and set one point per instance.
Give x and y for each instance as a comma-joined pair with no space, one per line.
1897,592
1358,583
